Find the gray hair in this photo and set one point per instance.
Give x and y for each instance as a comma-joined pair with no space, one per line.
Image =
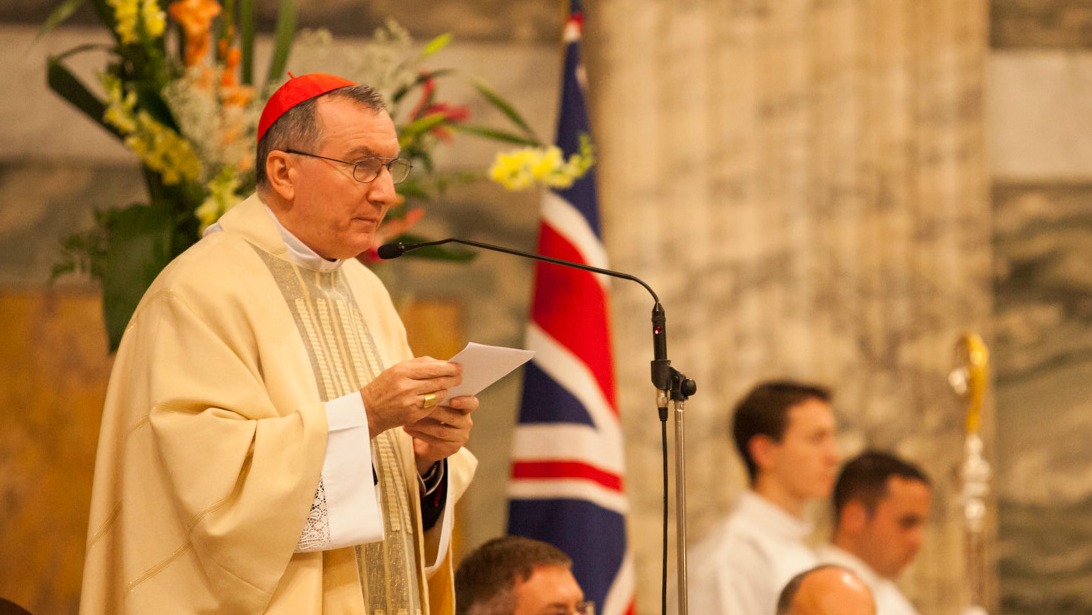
301,128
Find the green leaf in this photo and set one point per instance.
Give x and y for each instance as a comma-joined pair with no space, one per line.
421,78
494,134
419,127
436,44
246,41
150,99
58,15
138,248
107,15
67,86
67,8
507,109
285,31
411,189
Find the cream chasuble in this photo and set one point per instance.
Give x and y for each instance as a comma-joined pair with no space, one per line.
210,480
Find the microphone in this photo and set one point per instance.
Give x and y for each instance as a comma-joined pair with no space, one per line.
388,251
669,383
664,378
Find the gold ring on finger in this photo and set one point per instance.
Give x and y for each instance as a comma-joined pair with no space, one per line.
428,401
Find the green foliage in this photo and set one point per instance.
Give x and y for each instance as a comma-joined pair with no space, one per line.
140,243
155,104
129,245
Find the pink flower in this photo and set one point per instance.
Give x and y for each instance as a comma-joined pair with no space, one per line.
426,107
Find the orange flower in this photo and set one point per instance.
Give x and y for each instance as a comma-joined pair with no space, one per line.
195,17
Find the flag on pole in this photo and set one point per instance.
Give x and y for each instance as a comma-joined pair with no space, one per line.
567,463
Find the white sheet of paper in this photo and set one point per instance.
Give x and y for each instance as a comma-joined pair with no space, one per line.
483,365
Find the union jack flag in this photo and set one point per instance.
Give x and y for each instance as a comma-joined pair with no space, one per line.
567,463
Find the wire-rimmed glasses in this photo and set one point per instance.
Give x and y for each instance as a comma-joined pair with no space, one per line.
367,169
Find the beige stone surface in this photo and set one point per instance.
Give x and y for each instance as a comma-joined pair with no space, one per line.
805,185
1039,113
52,385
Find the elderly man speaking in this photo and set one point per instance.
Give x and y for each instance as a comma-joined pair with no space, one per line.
269,443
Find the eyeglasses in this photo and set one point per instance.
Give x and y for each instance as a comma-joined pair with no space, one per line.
367,169
584,608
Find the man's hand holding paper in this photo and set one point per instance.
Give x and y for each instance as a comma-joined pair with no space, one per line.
447,428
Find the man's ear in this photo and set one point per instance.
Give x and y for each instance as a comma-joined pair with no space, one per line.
854,517
278,170
763,450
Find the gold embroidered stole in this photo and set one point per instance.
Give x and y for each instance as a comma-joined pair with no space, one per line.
344,358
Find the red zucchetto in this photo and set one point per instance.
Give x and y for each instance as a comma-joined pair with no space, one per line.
293,92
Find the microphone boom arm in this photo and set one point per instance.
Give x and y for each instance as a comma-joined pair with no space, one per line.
666,379
394,250
669,382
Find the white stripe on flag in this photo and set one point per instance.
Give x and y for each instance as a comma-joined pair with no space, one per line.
568,222
568,489
573,375
568,441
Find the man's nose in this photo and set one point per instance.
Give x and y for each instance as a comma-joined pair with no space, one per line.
834,454
916,538
381,189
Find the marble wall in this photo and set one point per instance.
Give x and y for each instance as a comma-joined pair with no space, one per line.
806,184
1040,110
1044,395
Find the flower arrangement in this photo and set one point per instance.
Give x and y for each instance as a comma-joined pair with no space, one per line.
179,91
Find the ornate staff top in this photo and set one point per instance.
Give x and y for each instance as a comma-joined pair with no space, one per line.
969,380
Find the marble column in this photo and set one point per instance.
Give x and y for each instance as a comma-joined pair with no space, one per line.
804,184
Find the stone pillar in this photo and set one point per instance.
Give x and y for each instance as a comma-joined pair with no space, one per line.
804,184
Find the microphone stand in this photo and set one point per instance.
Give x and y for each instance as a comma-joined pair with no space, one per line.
669,382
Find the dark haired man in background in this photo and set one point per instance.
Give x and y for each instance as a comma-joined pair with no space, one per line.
784,431
881,504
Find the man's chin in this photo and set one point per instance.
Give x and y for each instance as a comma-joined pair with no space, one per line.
358,248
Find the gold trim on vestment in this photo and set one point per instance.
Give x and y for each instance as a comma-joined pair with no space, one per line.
344,357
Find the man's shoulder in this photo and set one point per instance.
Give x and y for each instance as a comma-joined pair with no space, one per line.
741,539
216,257
732,569
217,270
732,536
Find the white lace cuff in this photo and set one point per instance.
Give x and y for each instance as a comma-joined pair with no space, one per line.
346,510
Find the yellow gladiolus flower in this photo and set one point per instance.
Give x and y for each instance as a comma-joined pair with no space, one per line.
161,149
522,168
222,196
155,21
